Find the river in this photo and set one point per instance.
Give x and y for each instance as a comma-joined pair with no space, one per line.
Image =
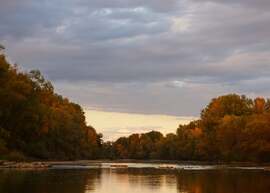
135,178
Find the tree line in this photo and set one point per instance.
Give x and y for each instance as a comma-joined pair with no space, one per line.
230,128
37,123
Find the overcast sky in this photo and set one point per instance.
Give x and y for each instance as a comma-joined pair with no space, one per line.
153,57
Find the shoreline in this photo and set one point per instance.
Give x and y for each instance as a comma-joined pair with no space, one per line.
85,163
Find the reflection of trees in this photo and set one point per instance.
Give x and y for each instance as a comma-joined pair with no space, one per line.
52,181
223,181
85,181
149,178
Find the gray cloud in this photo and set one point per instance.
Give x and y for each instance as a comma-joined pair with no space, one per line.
258,4
156,5
173,51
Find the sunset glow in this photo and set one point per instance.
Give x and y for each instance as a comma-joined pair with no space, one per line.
115,124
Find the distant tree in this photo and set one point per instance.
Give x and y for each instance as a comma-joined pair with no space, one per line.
231,128
2,47
259,105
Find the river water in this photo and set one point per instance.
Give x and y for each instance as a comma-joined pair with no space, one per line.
136,179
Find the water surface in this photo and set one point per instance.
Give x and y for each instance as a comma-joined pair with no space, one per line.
136,179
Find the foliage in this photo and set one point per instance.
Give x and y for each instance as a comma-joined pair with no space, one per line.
15,156
231,128
39,123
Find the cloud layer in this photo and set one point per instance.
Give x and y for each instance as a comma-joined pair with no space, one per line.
156,56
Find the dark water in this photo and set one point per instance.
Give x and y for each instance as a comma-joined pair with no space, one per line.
134,180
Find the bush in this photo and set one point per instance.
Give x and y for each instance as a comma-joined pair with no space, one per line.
15,156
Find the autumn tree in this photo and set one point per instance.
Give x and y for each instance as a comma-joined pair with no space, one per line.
37,122
231,128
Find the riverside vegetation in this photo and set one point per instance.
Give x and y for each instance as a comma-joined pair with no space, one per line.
38,124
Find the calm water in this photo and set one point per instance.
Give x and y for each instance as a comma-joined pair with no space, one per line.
141,180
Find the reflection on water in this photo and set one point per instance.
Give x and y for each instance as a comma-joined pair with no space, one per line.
51,181
127,180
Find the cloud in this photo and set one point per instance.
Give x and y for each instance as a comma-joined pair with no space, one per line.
259,4
156,5
151,56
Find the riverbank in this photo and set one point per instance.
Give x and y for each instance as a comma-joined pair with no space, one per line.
112,163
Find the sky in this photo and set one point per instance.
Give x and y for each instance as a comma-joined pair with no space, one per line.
123,124
129,59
